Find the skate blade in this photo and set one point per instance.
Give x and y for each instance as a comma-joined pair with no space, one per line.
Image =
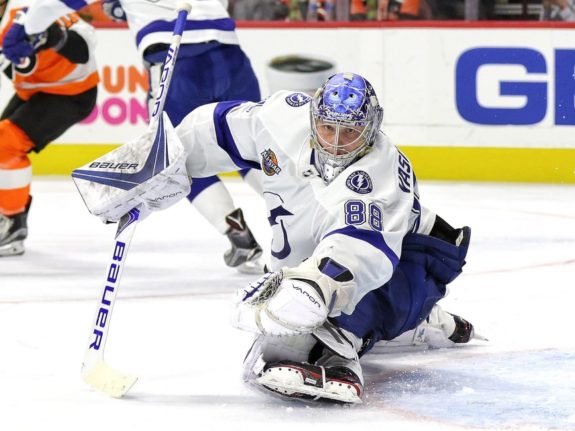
255,266
15,248
302,392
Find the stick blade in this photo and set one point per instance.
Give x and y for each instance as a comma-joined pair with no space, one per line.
108,380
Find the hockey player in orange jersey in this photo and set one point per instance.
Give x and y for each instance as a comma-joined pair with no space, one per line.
55,88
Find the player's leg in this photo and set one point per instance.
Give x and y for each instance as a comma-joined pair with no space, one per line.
405,309
15,177
29,126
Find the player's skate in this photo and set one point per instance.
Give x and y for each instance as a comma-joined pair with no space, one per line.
441,329
304,381
245,252
13,232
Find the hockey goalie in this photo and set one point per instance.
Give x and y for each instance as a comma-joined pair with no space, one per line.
356,259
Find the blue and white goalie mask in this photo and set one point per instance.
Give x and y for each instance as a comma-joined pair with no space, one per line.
345,119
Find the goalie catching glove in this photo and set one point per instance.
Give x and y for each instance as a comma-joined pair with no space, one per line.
291,301
149,170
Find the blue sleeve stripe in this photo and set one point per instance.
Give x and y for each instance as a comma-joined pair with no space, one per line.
222,24
224,135
371,237
75,4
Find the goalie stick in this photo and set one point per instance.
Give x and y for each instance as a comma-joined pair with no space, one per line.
95,372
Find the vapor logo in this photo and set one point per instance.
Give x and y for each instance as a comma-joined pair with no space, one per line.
359,182
161,198
270,163
522,100
171,55
306,294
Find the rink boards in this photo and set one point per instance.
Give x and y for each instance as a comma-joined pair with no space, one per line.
464,102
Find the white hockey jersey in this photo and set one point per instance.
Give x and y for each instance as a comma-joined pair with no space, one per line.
358,220
150,22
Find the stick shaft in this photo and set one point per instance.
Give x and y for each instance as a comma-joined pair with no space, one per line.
168,67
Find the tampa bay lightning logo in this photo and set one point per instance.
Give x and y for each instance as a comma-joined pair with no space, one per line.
359,182
296,100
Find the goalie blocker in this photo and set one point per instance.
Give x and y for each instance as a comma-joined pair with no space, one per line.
149,170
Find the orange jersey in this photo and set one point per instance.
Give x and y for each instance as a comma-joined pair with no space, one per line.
50,71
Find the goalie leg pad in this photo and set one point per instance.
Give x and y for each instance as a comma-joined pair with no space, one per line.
304,381
281,365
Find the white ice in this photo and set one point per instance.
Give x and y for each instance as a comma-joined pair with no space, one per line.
170,324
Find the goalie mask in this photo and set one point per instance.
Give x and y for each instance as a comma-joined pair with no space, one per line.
345,119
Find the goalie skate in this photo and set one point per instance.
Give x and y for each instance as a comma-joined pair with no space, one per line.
303,381
441,329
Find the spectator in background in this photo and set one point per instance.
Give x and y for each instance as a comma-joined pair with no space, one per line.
389,10
259,10
558,10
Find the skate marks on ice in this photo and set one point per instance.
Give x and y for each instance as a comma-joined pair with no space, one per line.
532,389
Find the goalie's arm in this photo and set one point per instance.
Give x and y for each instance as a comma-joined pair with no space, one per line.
221,137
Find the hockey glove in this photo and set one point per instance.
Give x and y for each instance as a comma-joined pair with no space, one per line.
149,170
290,302
16,46
113,9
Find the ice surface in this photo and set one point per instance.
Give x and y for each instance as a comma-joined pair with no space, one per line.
170,324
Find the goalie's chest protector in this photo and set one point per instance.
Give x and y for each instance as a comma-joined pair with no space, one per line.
294,197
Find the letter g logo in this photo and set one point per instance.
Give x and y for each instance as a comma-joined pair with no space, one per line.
466,88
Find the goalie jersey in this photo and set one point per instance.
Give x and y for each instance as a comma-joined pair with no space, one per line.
358,221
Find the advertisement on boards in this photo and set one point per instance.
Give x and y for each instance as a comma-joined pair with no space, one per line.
440,87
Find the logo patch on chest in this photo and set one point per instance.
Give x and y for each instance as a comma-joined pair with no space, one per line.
270,163
359,182
296,100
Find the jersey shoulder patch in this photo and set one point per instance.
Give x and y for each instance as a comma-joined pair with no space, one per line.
359,182
295,100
